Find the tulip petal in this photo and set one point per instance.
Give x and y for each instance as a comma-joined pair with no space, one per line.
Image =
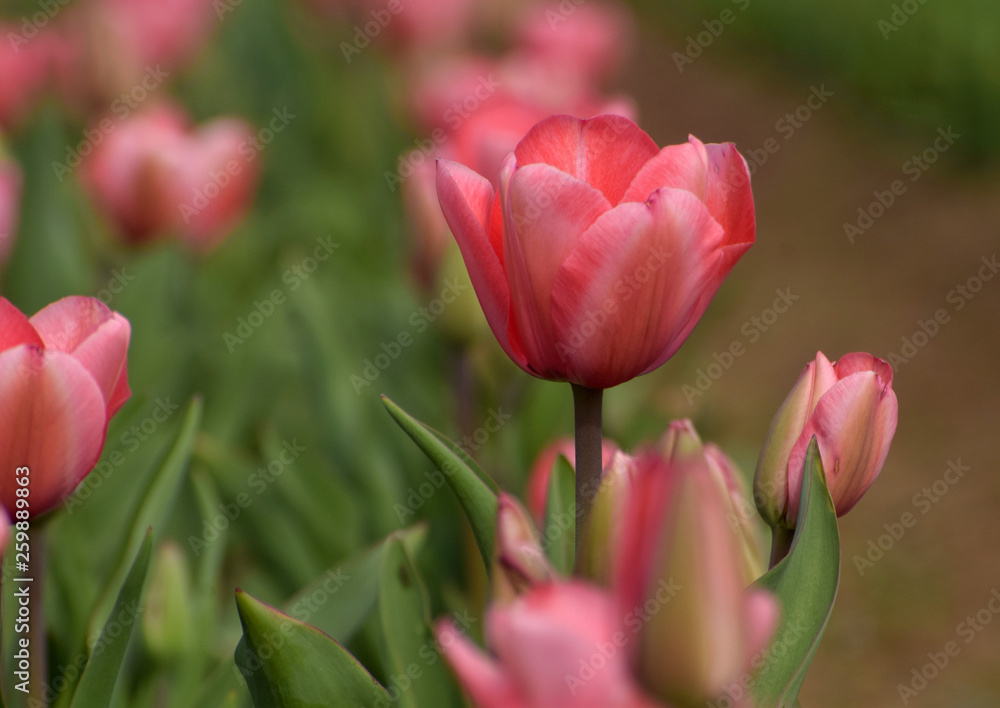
467,202
97,337
854,423
481,677
545,212
626,297
15,328
682,166
53,420
728,196
863,361
605,151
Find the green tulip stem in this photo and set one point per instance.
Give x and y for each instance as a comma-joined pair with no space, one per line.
587,403
781,543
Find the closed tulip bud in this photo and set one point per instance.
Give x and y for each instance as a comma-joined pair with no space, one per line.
600,539
681,442
538,479
62,377
683,587
851,409
166,622
598,252
519,560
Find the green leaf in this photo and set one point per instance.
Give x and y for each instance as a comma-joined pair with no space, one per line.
805,584
340,600
559,506
155,505
97,683
475,491
411,656
289,664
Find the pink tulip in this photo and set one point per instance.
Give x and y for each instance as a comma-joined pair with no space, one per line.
585,42
680,564
519,562
24,67
598,254
62,376
851,409
10,198
4,529
538,479
153,175
540,642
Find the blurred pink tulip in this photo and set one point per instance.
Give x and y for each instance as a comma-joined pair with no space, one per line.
62,376
851,409
519,562
25,65
538,479
599,252
680,565
153,175
559,644
10,199
583,42
114,54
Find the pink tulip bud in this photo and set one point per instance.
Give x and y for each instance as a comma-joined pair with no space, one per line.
519,561
557,645
598,253
62,376
680,570
851,409
601,539
10,199
154,176
25,65
681,442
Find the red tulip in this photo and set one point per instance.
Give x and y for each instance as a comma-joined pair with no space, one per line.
154,176
851,409
10,198
62,376
556,645
24,65
598,254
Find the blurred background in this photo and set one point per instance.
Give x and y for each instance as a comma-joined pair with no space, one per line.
247,182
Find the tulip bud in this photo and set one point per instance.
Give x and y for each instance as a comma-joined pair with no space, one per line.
851,409
10,197
519,561
166,623
595,557
682,572
538,479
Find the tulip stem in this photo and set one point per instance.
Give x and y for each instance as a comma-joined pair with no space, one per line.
587,405
781,543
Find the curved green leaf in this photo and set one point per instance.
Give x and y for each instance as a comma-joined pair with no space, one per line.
476,492
289,664
97,683
805,583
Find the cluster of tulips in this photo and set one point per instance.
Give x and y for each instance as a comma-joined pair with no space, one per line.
628,580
